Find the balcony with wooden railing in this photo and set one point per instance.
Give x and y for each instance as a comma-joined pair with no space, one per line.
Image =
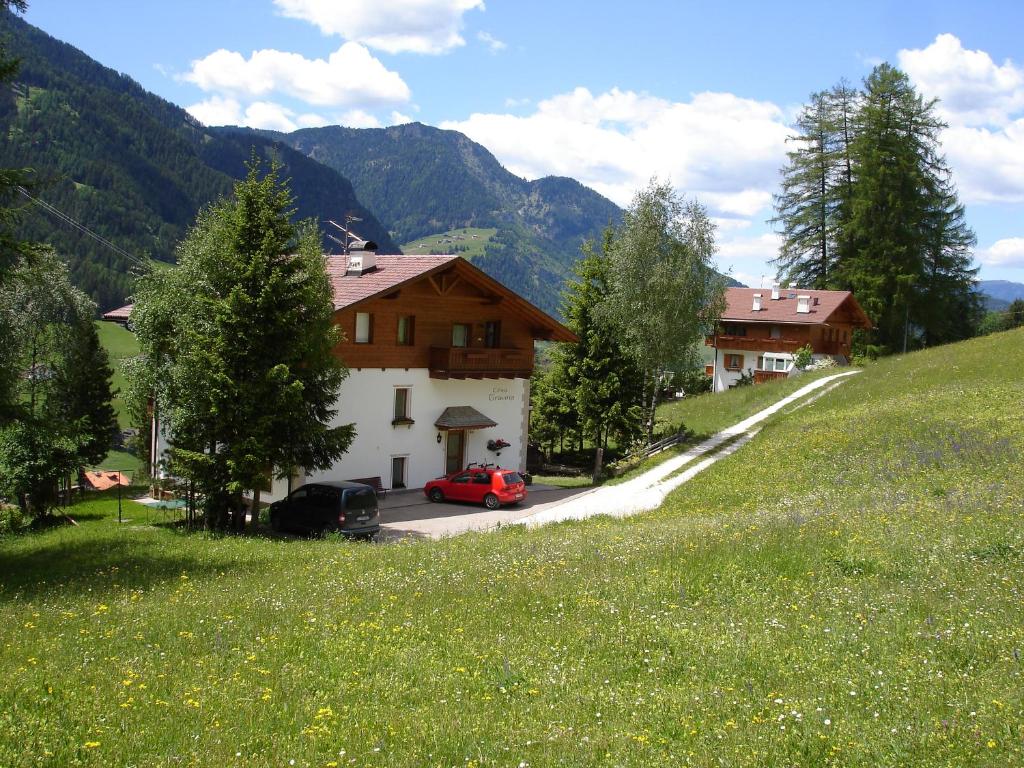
480,363
752,344
762,376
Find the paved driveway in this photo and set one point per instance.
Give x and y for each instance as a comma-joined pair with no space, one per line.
409,514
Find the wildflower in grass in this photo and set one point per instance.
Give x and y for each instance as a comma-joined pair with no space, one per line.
91,744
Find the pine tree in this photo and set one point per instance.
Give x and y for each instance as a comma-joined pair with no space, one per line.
816,189
238,342
909,247
606,381
867,205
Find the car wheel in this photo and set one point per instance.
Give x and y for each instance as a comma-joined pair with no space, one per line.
436,495
491,501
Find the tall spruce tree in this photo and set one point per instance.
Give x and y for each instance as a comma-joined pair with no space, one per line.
909,247
607,382
867,205
240,339
813,202
664,294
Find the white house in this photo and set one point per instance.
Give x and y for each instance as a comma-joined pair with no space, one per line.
439,358
761,330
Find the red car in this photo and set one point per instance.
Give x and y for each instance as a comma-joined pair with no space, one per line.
493,486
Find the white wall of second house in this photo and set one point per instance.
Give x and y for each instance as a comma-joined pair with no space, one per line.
367,400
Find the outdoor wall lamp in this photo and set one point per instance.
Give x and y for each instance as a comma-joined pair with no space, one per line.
439,437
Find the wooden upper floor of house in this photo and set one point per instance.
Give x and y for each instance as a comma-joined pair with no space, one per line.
434,312
786,319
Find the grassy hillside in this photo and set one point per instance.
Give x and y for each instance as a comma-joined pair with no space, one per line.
468,242
119,343
843,591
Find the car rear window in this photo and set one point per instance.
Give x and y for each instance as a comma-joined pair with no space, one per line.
511,478
360,498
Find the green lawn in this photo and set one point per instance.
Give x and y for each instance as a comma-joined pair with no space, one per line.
119,343
472,238
846,590
711,412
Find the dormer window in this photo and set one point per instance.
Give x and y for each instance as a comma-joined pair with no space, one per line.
803,304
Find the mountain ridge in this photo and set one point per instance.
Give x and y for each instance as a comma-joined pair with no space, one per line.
130,165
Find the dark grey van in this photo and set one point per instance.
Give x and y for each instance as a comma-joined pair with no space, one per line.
329,507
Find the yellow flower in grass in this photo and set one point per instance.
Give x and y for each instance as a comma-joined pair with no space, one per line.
91,744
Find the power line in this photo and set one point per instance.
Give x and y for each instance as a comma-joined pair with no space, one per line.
57,213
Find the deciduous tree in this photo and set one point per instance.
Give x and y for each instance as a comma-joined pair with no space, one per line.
60,416
664,294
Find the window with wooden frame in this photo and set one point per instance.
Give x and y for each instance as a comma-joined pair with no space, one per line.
775,332
734,329
406,329
733,362
492,334
460,335
402,406
364,328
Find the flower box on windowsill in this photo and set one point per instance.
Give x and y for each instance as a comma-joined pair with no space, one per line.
402,422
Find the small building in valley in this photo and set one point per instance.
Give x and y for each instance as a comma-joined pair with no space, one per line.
761,330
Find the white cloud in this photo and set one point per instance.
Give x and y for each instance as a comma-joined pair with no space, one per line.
724,149
511,103
973,89
258,114
491,41
748,256
988,164
984,105
1008,252
394,26
358,118
348,77
397,118
217,110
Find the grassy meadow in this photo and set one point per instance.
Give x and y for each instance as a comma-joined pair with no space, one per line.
846,590
119,343
474,239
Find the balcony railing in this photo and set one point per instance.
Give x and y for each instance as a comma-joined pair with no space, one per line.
478,362
751,344
763,376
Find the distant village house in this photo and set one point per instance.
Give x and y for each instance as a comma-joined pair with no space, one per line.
761,330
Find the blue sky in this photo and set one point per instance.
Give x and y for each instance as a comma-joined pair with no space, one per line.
611,94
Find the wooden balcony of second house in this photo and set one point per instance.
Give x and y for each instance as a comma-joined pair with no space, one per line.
480,363
752,344
762,376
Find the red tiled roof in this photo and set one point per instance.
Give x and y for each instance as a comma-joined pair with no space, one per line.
394,271
740,302
119,314
103,479
391,272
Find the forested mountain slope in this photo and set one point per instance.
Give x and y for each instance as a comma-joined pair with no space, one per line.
422,180
129,165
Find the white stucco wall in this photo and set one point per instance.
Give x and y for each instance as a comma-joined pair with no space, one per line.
725,378
367,400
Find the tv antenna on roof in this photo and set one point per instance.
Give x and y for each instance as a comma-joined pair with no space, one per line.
350,236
